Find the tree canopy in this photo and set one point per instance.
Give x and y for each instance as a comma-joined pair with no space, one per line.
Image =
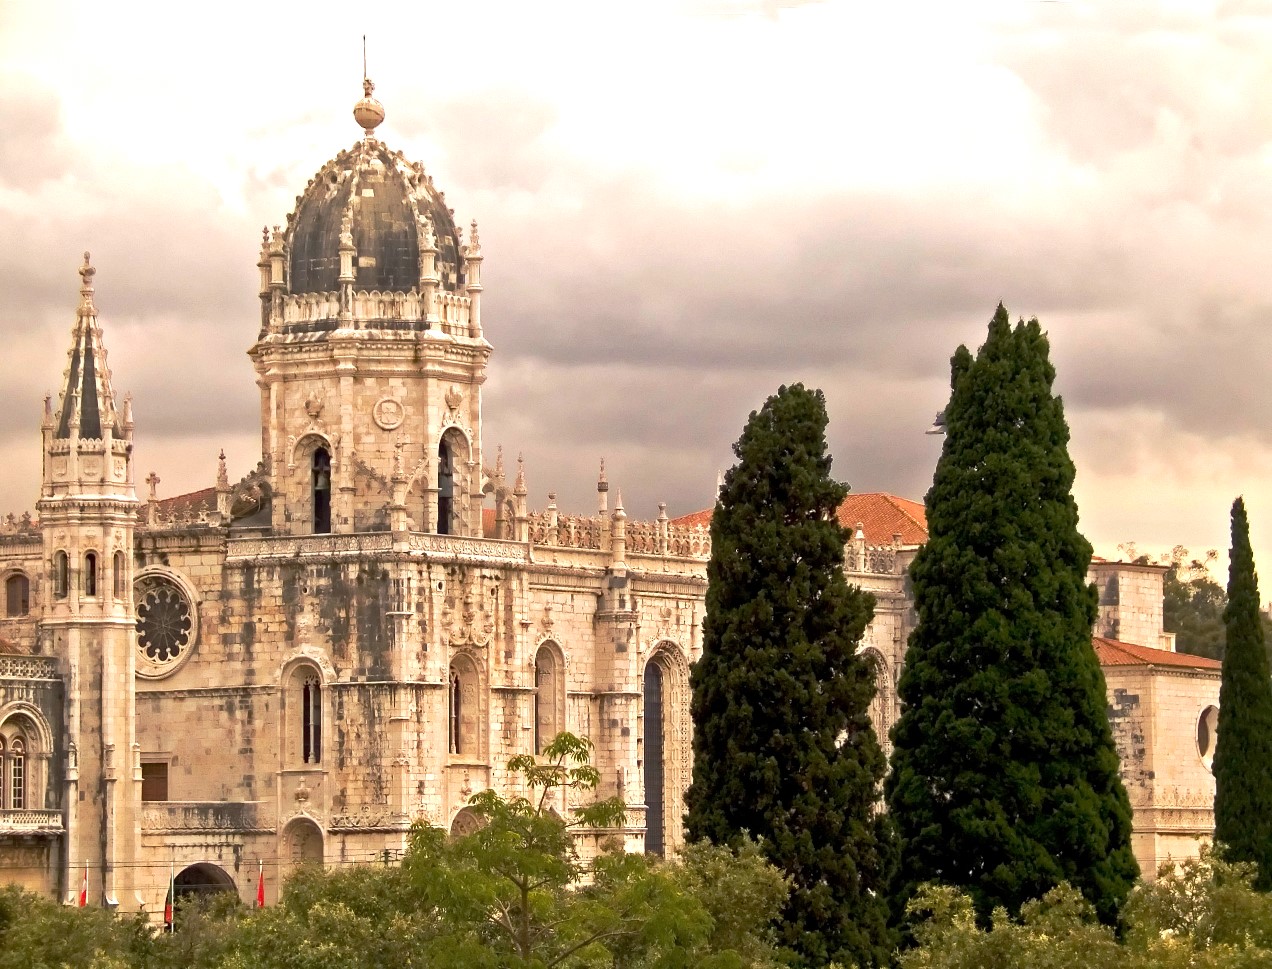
1004,777
783,746
1243,747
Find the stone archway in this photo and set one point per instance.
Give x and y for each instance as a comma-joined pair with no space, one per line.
302,843
200,883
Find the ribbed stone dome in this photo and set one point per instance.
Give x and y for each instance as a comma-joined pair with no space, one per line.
387,200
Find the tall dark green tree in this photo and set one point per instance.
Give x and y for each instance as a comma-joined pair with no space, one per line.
1243,749
783,747
1004,776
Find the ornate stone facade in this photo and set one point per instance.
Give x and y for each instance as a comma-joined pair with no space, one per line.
363,629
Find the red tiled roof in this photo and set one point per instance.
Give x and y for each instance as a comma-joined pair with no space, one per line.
702,518
1114,653
195,501
881,516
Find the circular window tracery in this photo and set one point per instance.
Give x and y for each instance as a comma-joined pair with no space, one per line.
167,624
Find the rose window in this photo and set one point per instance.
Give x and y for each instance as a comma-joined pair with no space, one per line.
166,624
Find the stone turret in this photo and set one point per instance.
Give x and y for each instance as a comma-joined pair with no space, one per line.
370,336
88,511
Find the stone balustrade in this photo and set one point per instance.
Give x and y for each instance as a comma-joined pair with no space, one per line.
19,821
207,816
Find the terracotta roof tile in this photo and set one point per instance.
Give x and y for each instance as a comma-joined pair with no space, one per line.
195,501
1114,653
881,516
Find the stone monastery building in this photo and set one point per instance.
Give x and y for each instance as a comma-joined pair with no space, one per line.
293,667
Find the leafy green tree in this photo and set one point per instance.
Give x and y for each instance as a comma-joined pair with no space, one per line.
1004,777
1201,914
1243,748
1192,604
783,747
514,893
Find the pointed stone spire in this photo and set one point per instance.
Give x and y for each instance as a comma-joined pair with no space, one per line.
87,394
519,486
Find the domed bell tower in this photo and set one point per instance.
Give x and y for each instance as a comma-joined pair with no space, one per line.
88,510
370,357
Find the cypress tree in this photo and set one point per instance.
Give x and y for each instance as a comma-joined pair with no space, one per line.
1004,776
783,747
1243,748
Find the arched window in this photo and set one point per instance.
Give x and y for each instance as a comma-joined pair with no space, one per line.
15,773
456,708
445,490
655,814
17,594
61,575
119,574
666,748
15,764
90,574
883,702
322,491
311,720
465,709
302,717
548,719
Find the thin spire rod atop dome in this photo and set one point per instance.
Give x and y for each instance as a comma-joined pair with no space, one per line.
368,112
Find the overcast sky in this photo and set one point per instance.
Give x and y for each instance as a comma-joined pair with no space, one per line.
683,206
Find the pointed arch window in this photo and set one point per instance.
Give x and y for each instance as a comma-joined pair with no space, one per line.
17,594
445,489
322,491
465,709
61,575
456,712
548,696
90,574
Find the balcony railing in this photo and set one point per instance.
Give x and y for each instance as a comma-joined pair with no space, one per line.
15,821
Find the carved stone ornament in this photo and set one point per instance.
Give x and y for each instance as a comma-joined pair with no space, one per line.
454,397
388,412
313,406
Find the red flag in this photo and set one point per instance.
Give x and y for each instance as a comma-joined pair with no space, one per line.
168,902
83,896
260,885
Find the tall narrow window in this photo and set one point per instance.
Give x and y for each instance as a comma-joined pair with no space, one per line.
311,719
445,489
456,701
119,575
322,491
90,574
17,774
655,815
547,698
60,575
17,594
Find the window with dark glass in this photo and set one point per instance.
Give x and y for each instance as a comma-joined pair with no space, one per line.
90,574
322,491
311,719
154,781
17,594
445,489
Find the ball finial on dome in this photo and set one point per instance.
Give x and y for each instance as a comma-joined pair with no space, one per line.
368,112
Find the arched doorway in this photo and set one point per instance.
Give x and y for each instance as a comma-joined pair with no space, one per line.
200,882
